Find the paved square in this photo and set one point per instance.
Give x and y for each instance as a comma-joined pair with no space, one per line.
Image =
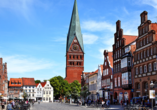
59,106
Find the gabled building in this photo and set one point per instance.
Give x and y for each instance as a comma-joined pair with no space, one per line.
74,49
29,87
39,90
145,69
127,70
120,41
47,91
107,76
15,88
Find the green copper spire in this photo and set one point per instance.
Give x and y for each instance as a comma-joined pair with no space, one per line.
74,29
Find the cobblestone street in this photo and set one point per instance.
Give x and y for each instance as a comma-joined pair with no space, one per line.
59,106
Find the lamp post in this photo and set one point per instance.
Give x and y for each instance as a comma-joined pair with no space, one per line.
152,93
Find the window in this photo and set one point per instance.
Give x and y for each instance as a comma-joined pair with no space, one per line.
138,56
105,63
107,72
69,56
141,55
136,70
147,52
151,51
33,95
73,56
150,68
140,32
150,38
77,56
49,92
145,68
116,54
118,67
120,42
129,61
145,85
143,41
138,85
140,69
147,40
154,64
143,31
146,28
111,85
49,98
44,98
80,57
46,92
115,80
154,50
118,81
144,54
120,52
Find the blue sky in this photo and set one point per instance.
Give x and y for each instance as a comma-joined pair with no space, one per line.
33,32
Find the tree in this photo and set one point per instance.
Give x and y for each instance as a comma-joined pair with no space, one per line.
25,95
85,92
60,86
37,81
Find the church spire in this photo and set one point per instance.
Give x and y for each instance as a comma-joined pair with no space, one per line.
74,29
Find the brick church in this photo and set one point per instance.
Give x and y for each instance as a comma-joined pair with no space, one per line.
74,49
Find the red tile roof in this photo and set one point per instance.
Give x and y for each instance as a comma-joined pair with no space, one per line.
129,39
43,84
18,82
110,54
37,84
91,73
28,82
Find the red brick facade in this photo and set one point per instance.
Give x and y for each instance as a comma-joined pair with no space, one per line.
3,79
145,69
74,62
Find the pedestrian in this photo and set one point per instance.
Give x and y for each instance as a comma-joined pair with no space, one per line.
102,104
2,104
9,106
38,101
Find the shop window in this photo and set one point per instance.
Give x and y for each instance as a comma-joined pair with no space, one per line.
150,67
154,64
145,68
138,85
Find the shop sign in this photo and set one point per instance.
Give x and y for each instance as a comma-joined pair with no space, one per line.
152,94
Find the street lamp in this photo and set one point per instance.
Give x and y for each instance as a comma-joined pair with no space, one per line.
152,93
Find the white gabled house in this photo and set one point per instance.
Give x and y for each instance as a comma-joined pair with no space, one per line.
39,91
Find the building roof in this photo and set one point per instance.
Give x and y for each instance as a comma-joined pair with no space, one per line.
129,38
110,54
95,72
37,84
15,82
74,29
28,82
43,84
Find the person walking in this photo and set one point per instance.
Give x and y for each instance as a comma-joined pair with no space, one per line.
102,104
9,106
2,104
38,101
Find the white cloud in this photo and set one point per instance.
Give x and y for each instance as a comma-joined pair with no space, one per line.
89,38
23,7
152,3
97,26
23,64
125,10
60,39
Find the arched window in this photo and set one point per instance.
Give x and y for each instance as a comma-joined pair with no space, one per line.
150,67
154,64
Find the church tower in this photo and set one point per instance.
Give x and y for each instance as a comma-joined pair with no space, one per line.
74,49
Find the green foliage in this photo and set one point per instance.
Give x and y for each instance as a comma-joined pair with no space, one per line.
37,81
25,95
77,86
60,86
85,92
